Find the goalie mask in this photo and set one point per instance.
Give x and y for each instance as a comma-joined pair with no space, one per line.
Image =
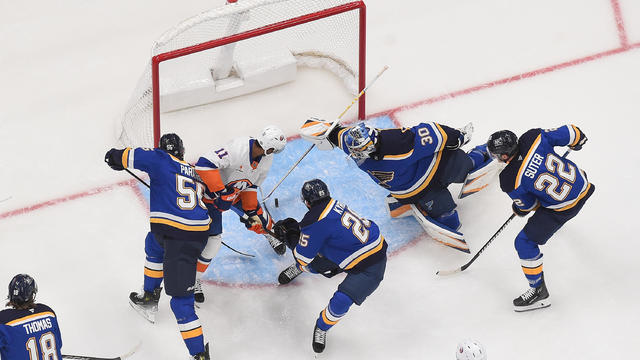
272,138
172,144
361,141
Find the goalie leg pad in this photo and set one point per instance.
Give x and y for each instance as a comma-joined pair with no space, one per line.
480,177
397,209
440,232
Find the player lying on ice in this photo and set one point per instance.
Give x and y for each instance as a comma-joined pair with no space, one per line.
416,165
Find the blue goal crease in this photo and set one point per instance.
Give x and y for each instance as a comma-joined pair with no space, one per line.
347,184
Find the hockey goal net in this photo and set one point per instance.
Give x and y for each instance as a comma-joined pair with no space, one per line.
240,48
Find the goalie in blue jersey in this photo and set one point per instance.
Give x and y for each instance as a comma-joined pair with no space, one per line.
179,223
541,182
330,239
416,165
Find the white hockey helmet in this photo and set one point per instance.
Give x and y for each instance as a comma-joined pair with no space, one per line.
272,138
469,349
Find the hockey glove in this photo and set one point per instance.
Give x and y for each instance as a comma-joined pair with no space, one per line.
518,211
287,231
113,158
582,138
225,198
324,266
258,221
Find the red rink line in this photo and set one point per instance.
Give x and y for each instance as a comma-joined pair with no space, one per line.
91,192
622,32
391,113
491,84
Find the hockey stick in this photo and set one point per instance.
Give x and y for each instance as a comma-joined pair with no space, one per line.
5,199
465,266
313,145
121,357
223,243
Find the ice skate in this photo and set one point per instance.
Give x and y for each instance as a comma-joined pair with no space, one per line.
289,274
197,292
319,339
278,246
146,303
532,299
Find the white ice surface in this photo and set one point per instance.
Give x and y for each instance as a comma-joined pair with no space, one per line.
67,68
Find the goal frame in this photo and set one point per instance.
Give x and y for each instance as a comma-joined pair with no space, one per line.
352,6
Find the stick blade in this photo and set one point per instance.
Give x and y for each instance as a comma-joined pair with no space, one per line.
448,272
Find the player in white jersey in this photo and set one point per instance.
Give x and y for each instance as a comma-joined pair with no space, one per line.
232,174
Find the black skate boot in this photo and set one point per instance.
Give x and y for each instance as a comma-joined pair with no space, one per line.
289,274
278,246
197,292
146,303
319,339
534,298
203,355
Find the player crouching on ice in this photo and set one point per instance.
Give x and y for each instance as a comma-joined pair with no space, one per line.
539,180
330,239
416,165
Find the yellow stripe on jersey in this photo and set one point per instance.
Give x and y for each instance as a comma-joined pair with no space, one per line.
326,210
125,158
577,131
366,255
432,169
399,156
178,225
31,317
340,144
575,202
525,161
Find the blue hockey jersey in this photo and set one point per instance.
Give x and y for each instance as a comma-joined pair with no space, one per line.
537,176
340,235
407,158
176,206
31,334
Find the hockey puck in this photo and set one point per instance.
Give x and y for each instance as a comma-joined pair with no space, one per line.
276,201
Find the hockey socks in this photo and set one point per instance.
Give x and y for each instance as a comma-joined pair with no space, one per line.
153,268
532,269
184,310
337,308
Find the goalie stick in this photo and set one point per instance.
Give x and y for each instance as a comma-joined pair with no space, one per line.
223,243
313,145
86,357
465,266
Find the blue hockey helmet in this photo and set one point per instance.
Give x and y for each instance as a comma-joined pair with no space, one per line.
314,191
172,144
22,289
361,141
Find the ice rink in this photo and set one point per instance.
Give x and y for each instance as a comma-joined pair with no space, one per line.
68,68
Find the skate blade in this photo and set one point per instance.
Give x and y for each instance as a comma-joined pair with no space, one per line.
148,313
541,304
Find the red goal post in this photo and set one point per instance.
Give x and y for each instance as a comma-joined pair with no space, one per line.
243,47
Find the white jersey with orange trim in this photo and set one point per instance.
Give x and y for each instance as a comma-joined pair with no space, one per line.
232,166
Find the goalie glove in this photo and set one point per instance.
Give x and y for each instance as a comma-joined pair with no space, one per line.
317,131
